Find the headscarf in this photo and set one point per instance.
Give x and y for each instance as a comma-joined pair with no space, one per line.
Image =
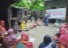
16,26
24,37
10,31
47,39
62,30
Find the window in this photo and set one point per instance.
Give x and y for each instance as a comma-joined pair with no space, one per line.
53,7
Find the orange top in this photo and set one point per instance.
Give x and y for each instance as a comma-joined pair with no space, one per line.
60,46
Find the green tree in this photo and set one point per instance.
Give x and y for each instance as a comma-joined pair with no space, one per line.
31,4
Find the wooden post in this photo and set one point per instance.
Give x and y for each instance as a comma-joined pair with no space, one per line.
67,15
9,17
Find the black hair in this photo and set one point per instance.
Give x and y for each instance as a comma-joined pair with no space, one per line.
47,39
58,34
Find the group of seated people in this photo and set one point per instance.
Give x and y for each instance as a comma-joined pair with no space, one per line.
8,38
59,40
30,24
12,41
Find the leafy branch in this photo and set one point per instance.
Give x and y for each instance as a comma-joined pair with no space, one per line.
31,4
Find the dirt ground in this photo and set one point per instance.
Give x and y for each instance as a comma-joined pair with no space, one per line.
39,32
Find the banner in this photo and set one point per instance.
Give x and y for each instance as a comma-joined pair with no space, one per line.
59,13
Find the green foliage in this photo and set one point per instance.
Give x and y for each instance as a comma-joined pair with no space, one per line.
31,4
39,5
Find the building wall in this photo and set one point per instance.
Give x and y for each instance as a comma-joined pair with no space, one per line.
57,4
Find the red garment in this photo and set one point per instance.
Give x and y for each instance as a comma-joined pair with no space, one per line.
64,39
64,26
29,45
25,37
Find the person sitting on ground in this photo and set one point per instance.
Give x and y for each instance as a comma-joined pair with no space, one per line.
10,39
16,27
47,43
2,23
24,42
56,36
39,22
10,31
62,30
64,40
24,38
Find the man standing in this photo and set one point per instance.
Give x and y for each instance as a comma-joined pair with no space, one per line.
46,19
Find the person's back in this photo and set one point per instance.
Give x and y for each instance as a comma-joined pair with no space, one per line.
42,45
51,45
48,43
47,40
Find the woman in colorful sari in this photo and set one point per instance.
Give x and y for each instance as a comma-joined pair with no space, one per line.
10,39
